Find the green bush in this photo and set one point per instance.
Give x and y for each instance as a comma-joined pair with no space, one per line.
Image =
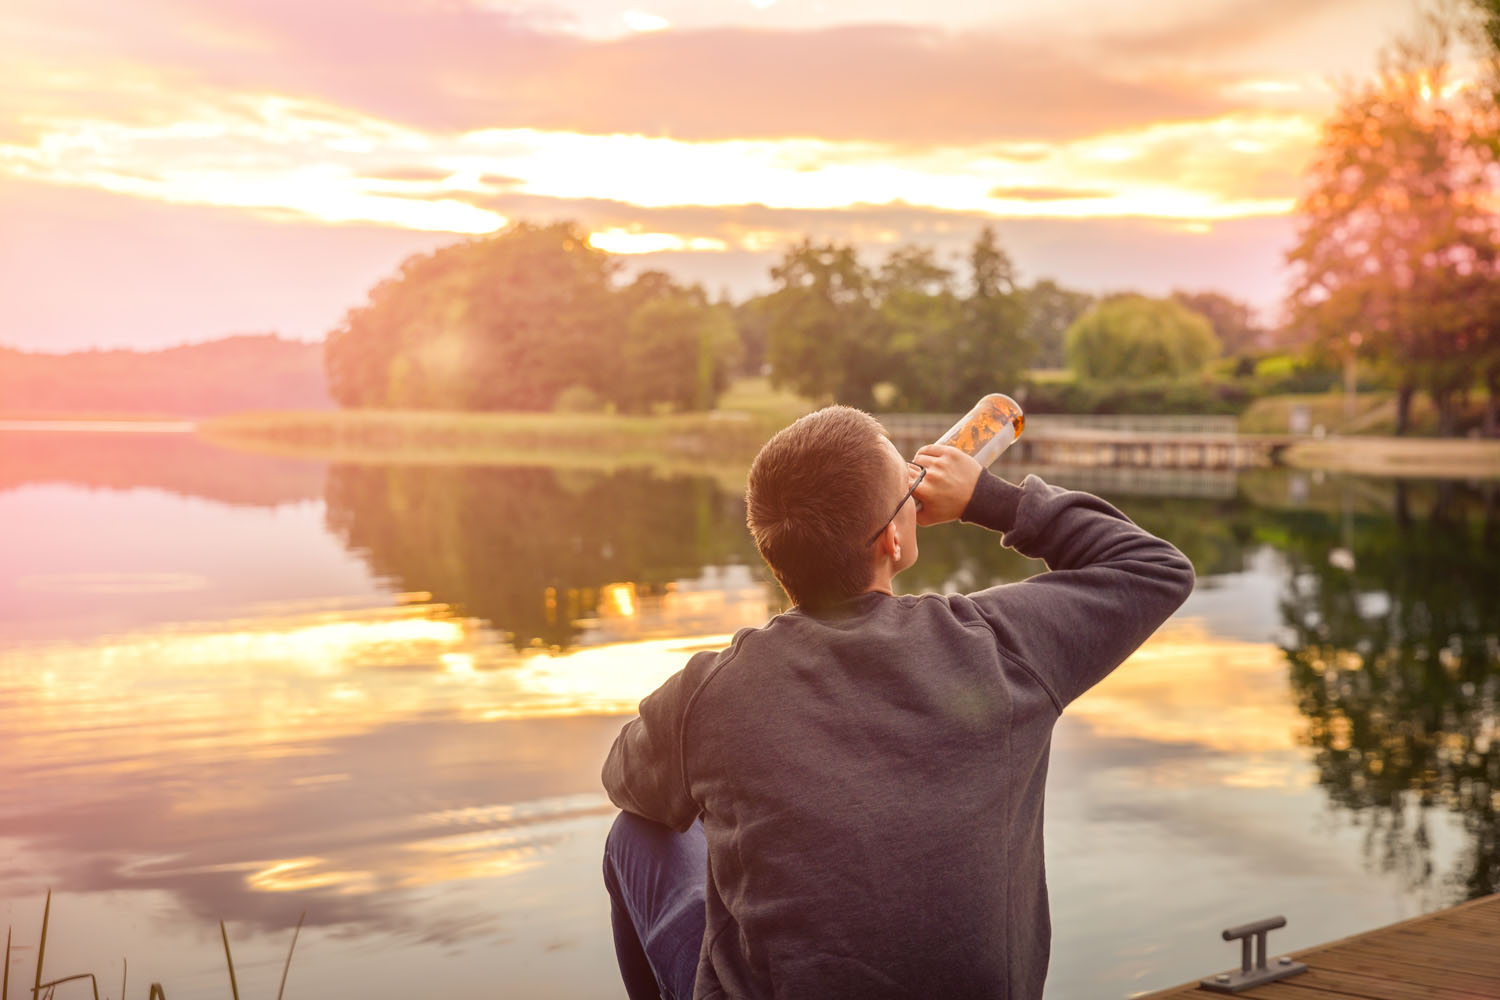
1133,337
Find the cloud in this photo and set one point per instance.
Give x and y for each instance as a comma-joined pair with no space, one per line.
455,67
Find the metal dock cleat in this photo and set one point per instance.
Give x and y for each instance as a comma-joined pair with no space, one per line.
1234,982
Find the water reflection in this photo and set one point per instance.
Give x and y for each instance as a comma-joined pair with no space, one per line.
533,551
1394,647
174,461
217,710
336,762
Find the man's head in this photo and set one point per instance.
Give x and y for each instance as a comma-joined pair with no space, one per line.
816,492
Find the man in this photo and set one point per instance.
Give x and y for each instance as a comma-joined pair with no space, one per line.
847,802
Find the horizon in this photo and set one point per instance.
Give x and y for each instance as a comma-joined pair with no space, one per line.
237,166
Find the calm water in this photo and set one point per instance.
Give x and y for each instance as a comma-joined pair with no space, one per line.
241,688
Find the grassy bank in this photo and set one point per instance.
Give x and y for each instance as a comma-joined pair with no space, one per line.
1415,458
1367,413
719,443
1360,437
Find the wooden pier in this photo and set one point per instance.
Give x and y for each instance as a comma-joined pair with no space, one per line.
1453,954
1140,442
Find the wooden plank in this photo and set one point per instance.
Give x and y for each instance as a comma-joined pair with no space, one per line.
1432,955
1356,985
1439,944
1282,991
1452,932
1452,954
1347,960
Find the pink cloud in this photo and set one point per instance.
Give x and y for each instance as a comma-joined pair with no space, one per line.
456,67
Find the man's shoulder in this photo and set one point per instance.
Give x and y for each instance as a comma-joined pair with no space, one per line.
872,617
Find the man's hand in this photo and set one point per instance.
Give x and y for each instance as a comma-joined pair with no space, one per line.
945,492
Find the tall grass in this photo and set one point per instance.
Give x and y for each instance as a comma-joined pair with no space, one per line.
157,991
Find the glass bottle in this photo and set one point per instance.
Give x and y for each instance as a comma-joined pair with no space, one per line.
988,429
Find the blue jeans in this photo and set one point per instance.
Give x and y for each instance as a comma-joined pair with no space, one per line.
656,878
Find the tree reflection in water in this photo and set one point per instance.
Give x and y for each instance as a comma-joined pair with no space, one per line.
528,549
1394,649
1391,603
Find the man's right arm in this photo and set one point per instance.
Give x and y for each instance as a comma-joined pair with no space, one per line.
1110,585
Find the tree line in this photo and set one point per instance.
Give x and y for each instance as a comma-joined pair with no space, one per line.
534,318
192,380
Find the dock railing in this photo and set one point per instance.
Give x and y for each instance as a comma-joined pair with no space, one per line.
1169,441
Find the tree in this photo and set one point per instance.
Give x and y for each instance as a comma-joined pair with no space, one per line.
397,349
545,318
993,349
835,329
825,338
753,327
923,321
678,351
1134,337
1396,252
1486,107
1489,23
1050,309
501,323
1233,321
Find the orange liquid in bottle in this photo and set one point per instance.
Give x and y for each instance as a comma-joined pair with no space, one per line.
988,429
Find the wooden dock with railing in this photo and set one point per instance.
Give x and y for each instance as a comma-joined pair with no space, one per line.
1141,442
1452,954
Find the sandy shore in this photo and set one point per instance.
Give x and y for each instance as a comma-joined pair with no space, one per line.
1437,458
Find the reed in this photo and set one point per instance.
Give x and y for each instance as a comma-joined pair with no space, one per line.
157,992
282,989
233,986
41,949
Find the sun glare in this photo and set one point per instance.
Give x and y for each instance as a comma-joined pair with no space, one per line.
638,20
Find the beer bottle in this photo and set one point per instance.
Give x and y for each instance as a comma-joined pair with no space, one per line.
988,429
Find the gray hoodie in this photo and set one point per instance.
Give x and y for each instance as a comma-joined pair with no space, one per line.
871,779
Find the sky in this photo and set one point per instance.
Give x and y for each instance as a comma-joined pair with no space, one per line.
173,171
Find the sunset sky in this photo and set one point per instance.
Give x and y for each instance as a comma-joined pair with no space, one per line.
178,170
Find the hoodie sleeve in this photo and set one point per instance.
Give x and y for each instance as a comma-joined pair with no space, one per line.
645,772
1109,584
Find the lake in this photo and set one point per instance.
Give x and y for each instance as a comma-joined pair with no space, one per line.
244,688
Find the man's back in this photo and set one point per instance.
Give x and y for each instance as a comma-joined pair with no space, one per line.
872,797
870,779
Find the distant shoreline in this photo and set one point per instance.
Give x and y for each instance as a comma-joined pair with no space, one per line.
717,441
723,437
